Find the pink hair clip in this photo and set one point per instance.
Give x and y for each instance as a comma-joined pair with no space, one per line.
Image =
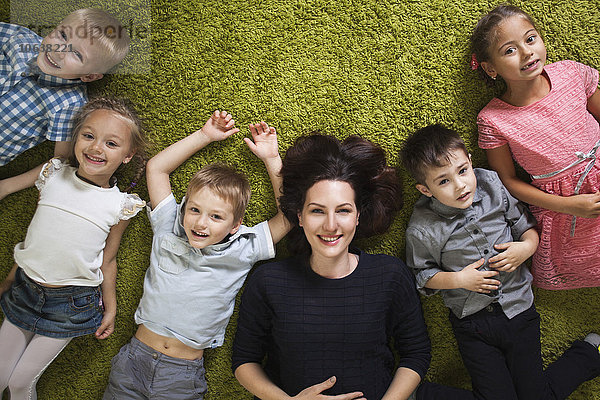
474,62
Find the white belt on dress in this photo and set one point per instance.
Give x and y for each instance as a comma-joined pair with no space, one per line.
581,157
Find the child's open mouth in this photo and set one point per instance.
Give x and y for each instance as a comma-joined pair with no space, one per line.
531,65
51,61
93,159
464,197
199,234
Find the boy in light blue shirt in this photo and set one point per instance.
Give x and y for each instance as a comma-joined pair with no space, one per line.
201,254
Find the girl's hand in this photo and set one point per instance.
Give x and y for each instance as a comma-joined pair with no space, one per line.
472,279
264,145
314,392
513,255
107,326
219,126
583,205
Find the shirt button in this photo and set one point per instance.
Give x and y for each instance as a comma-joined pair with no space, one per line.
489,308
155,355
476,231
486,251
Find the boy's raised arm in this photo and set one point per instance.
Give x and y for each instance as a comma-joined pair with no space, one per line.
218,127
264,146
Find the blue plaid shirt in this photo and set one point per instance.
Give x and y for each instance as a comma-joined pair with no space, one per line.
34,106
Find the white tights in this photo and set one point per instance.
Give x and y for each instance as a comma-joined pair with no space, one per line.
24,357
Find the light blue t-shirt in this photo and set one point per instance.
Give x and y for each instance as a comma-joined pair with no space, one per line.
189,293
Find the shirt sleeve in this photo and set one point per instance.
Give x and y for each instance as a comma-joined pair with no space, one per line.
162,217
131,205
419,257
517,215
407,325
589,77
6,31
48,171
261,246
60,122
489,136
254,324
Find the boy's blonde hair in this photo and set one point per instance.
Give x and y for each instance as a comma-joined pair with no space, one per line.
225,182
104,29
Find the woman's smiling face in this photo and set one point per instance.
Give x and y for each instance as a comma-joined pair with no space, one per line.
329,218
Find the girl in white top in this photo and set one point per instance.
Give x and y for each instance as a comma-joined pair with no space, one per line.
63,281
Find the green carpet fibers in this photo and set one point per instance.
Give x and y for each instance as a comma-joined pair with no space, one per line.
379,69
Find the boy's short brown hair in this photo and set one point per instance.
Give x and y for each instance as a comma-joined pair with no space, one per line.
103,29
429,147
229,184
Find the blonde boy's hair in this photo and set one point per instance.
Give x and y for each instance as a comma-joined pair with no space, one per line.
227,183
102,28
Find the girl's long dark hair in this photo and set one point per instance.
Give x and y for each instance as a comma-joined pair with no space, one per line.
357,161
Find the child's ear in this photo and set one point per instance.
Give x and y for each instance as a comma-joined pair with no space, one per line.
489,69
235,227
424,189
129,157
91,77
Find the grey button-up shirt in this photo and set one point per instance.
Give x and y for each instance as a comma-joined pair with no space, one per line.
443,238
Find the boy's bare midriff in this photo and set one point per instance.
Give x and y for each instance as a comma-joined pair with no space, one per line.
166,345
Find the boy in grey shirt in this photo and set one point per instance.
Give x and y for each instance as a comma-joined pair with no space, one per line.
467,238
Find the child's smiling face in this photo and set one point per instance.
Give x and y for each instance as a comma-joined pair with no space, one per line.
208,218
453,184
74,52
518,53
102,144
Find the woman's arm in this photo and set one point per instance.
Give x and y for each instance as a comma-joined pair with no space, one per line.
404,383
582,205
256,381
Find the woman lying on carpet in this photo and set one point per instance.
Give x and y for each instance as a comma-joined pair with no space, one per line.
323,318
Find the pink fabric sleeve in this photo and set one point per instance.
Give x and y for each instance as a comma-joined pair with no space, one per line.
489,136
589,77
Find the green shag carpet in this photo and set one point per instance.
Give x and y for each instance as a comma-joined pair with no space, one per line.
376,68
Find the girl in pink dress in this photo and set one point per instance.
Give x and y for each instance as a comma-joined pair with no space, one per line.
547,121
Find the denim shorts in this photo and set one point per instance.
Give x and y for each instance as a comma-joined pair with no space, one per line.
63,312
140,372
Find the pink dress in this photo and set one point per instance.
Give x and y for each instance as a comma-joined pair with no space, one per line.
544,137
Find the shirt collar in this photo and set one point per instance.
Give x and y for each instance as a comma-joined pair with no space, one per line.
450,212
46,79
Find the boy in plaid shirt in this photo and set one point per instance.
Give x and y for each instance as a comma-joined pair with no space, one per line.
42,80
